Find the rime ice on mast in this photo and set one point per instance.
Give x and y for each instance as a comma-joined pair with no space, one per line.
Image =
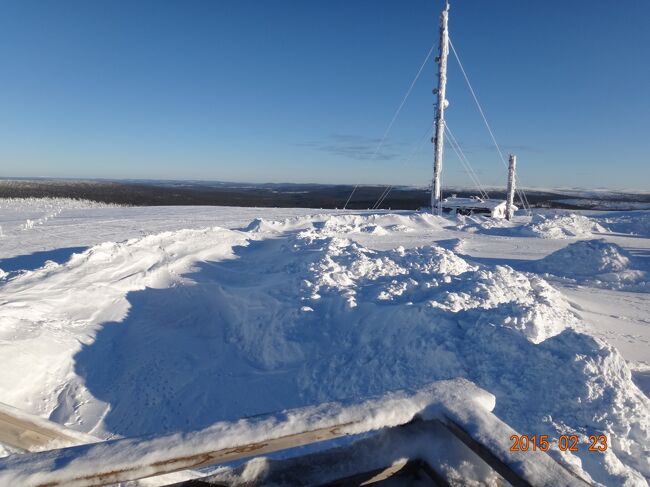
494,207
439,127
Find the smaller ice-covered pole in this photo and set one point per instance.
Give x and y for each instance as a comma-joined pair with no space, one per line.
510,197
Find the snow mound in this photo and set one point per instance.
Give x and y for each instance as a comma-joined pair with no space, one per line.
381,224
262,225
562,226
596,262
541,226
587,258
372,224
632,223
437,278
486,225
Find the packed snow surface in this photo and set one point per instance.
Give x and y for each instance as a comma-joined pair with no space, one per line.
193,323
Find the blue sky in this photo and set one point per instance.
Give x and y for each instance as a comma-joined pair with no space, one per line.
301,91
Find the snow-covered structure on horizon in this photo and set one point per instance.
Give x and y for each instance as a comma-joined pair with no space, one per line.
475,206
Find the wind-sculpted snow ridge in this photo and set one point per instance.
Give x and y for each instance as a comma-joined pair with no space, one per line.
373,224
48,313
596,263
183,329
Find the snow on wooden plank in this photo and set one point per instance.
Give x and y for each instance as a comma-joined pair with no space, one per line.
130,459
459,401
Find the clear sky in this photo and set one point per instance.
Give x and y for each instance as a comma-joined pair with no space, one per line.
301,91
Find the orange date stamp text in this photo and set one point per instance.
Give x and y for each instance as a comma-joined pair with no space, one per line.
564,443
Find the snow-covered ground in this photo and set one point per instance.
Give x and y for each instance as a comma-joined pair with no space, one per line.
128,321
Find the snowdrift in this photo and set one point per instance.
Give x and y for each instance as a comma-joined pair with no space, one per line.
327,224
174,331
563,226
632,223
597,263
47,314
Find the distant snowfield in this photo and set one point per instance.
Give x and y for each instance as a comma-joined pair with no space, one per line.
129,321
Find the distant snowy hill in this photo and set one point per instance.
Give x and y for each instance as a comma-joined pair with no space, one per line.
145,192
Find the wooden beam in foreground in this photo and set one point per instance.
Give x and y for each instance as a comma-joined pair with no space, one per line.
138,458
104,474
28,432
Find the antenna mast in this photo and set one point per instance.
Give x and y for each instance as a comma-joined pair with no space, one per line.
439,127
510,193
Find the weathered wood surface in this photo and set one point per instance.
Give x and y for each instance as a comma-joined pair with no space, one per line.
28,432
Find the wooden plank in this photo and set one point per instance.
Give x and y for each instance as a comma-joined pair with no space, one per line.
28,432
106,474
391,450
131,459
31,433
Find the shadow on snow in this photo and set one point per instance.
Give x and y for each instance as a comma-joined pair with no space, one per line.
36,260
